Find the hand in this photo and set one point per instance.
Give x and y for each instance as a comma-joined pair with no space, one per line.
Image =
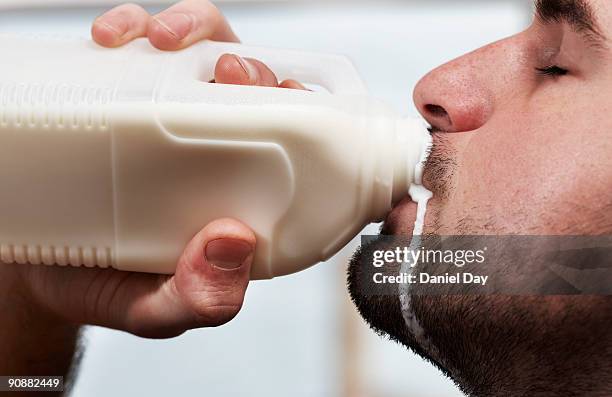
207,289
180,26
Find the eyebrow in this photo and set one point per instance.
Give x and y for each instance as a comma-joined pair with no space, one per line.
577,13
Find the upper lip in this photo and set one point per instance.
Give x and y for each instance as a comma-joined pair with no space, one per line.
433,129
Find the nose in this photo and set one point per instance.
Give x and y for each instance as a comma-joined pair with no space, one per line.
455,97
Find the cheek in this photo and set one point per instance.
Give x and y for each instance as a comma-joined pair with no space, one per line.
548,175
496,185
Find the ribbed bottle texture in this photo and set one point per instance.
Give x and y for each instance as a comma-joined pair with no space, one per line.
52,255
53,105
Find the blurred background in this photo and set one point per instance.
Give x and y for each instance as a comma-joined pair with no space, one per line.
298,335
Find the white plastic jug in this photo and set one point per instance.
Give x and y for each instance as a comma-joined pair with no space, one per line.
118,157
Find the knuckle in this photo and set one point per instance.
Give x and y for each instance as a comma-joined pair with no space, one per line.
216,309
209,12
130,8
206,5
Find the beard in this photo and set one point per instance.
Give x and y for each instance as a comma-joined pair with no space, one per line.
491,345
487,344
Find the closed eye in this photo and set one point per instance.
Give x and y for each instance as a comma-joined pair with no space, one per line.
552,71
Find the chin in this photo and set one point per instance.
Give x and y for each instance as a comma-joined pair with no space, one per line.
381,309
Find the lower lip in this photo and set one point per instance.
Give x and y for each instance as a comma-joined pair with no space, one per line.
401,219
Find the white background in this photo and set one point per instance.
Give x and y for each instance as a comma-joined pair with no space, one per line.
297,336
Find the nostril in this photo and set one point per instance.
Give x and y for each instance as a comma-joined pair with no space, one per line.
436,111
438,117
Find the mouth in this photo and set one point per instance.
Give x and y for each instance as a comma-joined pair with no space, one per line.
401,220
440,163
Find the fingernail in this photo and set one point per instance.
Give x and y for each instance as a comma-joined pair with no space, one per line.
177,24
249,69
227,253
117,26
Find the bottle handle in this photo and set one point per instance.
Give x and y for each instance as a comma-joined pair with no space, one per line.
335,73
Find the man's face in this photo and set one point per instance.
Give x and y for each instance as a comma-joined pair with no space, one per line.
521,147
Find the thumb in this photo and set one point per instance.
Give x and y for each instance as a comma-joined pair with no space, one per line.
213,273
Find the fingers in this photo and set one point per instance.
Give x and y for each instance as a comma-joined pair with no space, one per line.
120,25
292,84
209,285
180,26
177,27
213,274
188,22
233,69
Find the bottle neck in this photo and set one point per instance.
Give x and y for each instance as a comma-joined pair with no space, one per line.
412,146
399,163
